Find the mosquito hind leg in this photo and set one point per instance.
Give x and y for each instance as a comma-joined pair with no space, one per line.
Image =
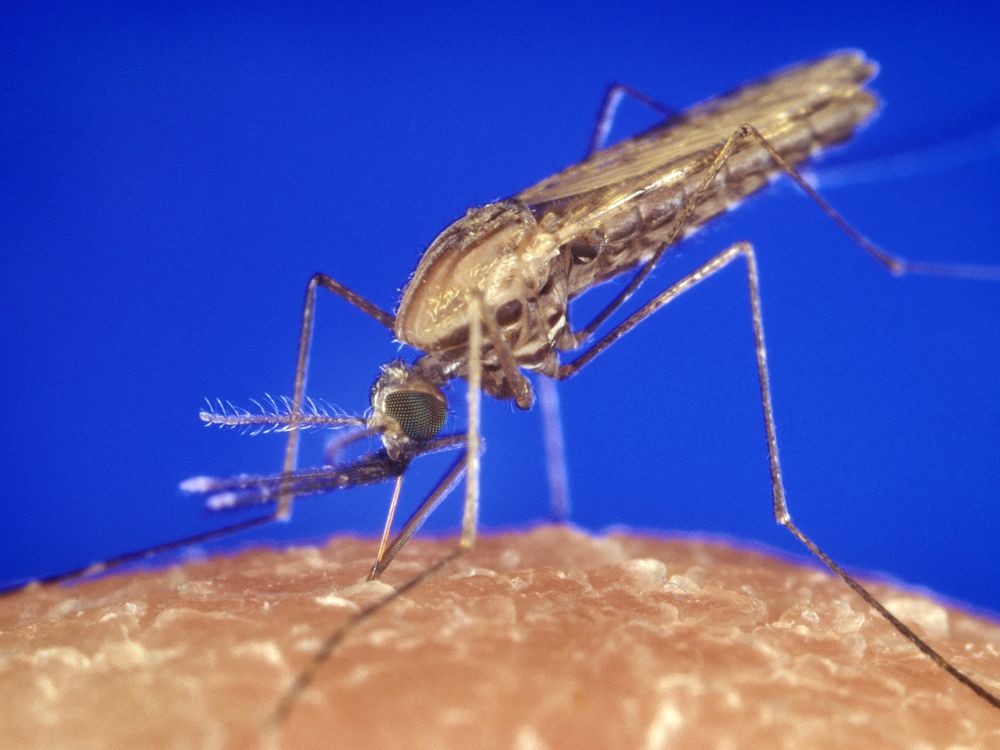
323,281
894,264
780,506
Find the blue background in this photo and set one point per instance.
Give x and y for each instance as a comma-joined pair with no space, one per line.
171,177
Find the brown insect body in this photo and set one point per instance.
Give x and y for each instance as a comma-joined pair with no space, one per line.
529,255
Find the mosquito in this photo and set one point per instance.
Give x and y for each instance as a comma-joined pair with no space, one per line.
490,298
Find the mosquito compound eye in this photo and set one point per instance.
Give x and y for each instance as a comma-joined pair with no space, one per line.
420,414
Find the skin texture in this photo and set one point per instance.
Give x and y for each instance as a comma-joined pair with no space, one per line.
550,638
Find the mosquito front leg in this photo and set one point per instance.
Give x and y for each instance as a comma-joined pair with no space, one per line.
302,365
305,677
560,503
470,513
780,506
386,527
468,463
138,555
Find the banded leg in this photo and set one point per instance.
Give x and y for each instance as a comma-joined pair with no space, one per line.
302,365
781,515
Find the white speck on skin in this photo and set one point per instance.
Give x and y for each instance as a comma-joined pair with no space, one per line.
847,620
510,558
665,723
366,589
332,600
125,655
61,655
64,608
474,571
308,645
47,688
266,651
646,573
683,585
527,738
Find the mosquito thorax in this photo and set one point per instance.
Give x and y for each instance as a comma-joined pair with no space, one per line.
407,406
497,251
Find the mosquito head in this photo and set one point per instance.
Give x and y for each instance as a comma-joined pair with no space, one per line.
407,405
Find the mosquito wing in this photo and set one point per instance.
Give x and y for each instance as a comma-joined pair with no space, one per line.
638,185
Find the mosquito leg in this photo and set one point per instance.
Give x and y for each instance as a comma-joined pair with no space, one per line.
387,528
613,96
305,678
781,514
675,230
302,365
894,264
469,462
137,555
470,515
524,397
555,452
429,505
548,391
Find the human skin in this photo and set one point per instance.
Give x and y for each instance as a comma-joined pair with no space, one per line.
550,638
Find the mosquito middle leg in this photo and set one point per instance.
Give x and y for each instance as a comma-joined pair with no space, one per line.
548,392
302,365
613,96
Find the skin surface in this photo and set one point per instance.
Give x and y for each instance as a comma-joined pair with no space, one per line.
550,638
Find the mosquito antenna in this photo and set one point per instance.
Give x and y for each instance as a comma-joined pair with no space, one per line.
275,415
